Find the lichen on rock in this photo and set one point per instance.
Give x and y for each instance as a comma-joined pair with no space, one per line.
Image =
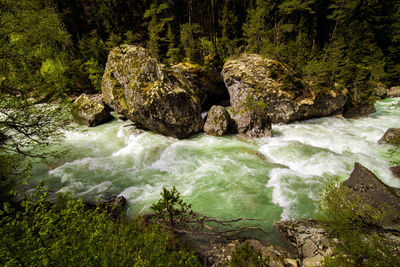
287,98
89,110
218,121
137,86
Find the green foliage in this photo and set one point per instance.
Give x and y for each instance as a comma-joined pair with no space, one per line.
247,256
33,48
255,28
252,104
93,55
156,28
173,53
171,208
67,234
190,41
347,217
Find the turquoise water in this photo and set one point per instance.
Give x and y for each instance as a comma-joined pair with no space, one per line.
225,177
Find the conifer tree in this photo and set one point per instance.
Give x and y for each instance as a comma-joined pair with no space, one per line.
156,28
254,30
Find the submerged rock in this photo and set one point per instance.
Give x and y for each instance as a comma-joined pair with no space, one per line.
89,110
137,86
391,136
267,88
218,121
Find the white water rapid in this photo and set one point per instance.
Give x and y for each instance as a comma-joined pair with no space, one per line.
225,177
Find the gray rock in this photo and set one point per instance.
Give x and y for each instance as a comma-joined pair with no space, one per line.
391,136
374,192
218,121
137,86
89,110
268,88
307,237
253,124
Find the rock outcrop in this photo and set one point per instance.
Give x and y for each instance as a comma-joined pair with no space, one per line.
373,191
137,86
391,136
309,239
90,110
312,242
218,121
267,88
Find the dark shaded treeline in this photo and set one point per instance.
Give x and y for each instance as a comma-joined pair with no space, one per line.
354,44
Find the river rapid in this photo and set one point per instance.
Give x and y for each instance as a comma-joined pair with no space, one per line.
270,179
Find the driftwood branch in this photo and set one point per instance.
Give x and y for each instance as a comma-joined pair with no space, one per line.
198,226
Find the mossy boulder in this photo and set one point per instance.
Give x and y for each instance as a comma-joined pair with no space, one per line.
218,121
146,92
90,110
285,97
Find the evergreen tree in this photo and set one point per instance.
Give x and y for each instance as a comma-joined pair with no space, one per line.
393,57
254,30
173,52
229,33
156,28
190,41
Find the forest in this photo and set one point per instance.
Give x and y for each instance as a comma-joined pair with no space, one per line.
54,49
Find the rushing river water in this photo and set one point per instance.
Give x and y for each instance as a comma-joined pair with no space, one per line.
225,177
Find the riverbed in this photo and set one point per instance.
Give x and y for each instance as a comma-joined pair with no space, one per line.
269,179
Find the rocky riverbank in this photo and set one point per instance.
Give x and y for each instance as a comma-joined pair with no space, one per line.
170,99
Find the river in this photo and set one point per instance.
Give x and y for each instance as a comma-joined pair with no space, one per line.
226,177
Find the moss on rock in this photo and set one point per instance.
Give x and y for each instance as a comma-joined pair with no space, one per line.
137,86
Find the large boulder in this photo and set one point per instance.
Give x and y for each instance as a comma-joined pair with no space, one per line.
218,121
391,136
254,81
373,191
90,110
137,86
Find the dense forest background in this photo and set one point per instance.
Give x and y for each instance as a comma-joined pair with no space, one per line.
62,46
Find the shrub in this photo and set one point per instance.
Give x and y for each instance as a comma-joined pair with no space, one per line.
247,256
348,218
67,234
